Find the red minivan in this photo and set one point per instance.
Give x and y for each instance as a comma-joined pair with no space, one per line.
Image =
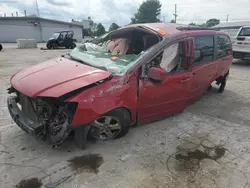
134,75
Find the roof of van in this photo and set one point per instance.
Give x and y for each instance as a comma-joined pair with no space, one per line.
160,27
172,28
232,24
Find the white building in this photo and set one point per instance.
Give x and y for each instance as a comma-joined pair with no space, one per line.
41,29
231,28
84,23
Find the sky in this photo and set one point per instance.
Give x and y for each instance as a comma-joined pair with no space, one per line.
120,11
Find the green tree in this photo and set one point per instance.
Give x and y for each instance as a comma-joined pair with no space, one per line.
212,22
100,30
148,12
203,25
113,26
172,21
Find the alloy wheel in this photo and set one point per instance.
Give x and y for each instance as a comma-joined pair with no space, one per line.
105,128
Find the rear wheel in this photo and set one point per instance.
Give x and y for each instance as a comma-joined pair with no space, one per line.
1,47
223,83
73,46
222,86
54,46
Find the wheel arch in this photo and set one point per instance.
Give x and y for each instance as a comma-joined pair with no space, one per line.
92,115
122,108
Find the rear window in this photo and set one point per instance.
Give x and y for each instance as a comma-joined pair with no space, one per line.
245,32
205,45
223,46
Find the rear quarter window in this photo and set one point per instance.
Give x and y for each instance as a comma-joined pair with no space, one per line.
205,45
223,46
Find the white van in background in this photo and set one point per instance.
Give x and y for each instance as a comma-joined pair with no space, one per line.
241,43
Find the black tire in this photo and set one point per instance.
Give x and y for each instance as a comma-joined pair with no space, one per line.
54,46
1,47
49,46
222,86
81,134
223,83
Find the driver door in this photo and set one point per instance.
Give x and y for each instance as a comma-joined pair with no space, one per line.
169,96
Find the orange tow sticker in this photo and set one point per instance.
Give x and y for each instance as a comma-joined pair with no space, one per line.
113,57
162,32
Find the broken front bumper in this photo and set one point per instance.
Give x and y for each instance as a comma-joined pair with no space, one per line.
25,123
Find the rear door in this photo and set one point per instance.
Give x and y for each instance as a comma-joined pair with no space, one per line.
204,67
223,54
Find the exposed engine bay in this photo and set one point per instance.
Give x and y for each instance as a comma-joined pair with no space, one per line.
50,118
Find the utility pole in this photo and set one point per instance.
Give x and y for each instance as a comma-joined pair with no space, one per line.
25,13
16,14
175,13
164,19
37,9
227,18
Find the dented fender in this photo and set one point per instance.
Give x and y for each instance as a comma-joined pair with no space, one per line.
119,92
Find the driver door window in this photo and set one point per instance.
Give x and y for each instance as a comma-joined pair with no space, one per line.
175,58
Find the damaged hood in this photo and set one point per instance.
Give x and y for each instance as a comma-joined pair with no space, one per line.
56,77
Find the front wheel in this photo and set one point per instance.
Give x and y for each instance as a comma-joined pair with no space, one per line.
55,46
1,47
111,125
49,46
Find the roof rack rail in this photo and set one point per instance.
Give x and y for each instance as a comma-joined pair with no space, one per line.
196,28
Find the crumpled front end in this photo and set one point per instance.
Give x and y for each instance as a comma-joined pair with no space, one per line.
44,117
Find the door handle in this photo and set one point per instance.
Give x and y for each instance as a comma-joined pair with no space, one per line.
194,73
184,80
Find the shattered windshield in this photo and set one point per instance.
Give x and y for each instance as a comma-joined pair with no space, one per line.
117,51
98,56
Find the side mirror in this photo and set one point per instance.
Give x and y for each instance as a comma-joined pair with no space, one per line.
156,73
